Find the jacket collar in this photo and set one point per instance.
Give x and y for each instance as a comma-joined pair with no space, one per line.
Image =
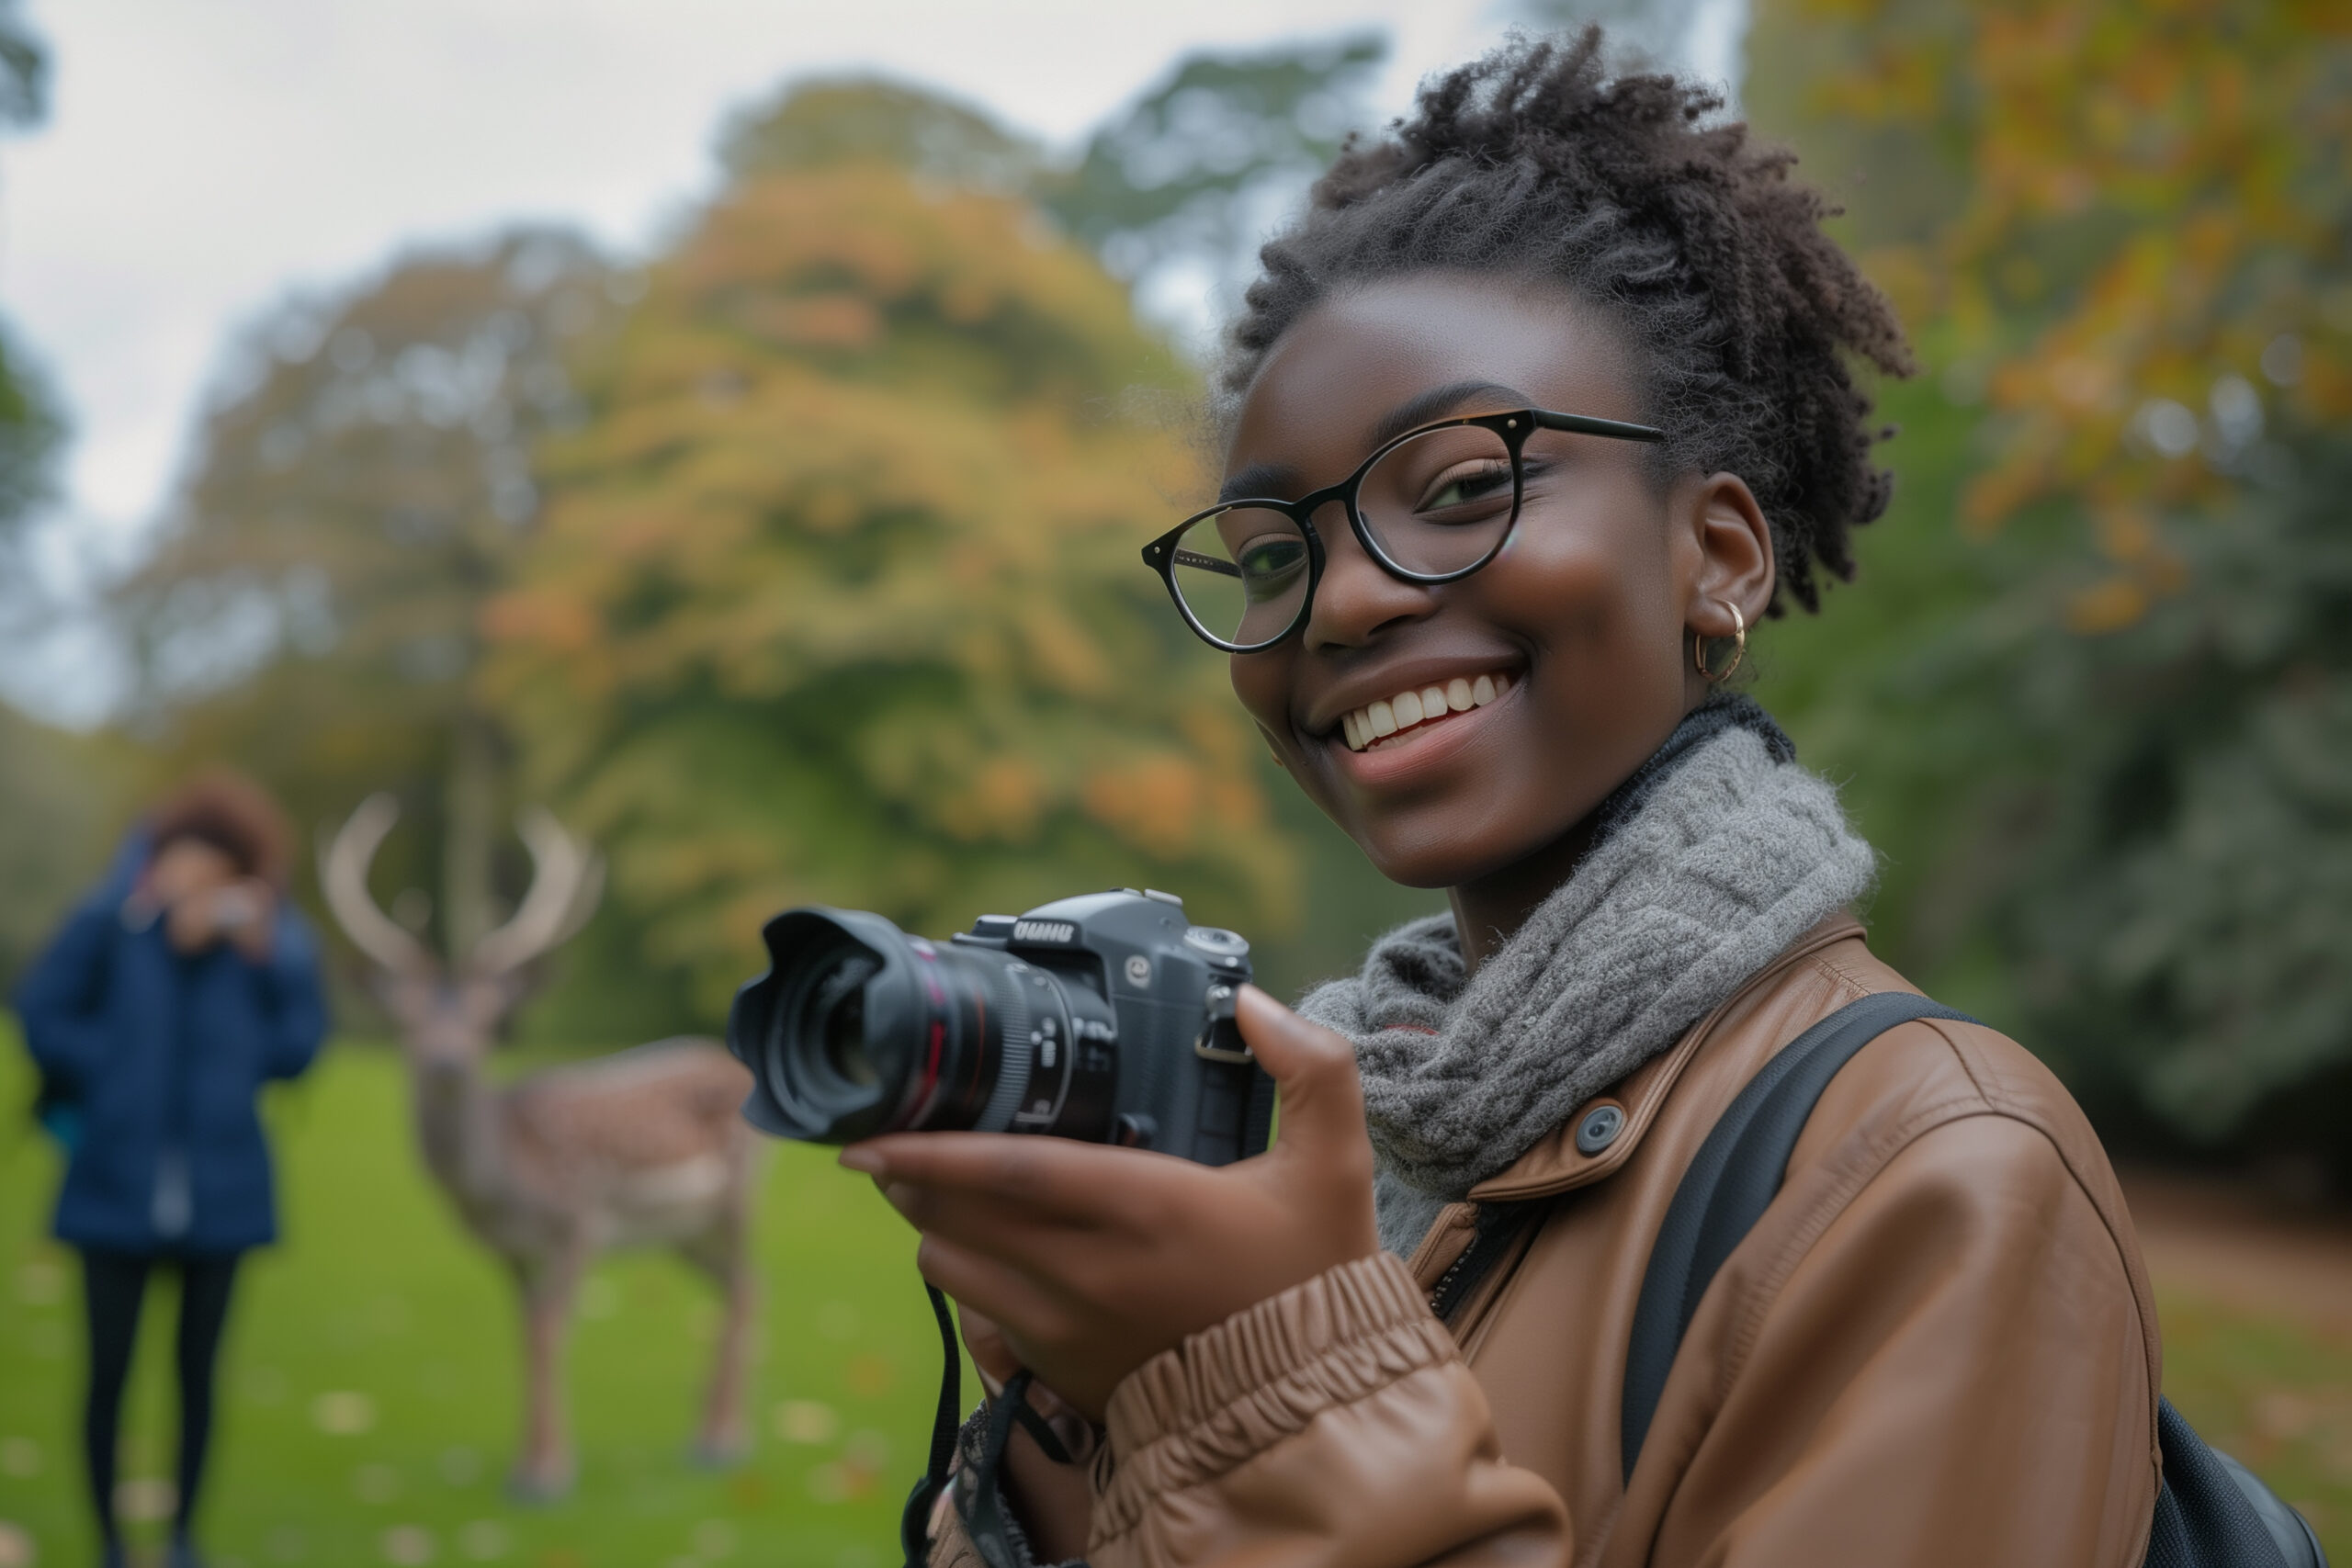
1555,1163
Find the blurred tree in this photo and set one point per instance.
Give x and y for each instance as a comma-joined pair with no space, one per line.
2135,285
811,125
837,597
31,427
362,485
2182,930
63,797
1705,39
1177,191
56,794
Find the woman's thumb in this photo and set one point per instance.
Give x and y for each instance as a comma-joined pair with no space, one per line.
1313,1068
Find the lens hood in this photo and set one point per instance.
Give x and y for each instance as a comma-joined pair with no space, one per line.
825,1031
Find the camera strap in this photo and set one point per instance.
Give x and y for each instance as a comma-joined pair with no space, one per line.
984,1520
914,1524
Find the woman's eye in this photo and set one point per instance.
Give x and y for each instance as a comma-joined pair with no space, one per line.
1481,486
1268,566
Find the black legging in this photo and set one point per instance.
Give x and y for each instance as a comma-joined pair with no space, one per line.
113,1283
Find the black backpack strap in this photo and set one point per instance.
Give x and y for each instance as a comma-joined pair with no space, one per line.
2213,1512
1731,1180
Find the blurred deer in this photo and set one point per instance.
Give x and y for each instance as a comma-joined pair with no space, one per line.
643,1147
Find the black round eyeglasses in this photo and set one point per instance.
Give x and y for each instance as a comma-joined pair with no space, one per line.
1433,505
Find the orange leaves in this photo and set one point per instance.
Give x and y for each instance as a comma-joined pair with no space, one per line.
844,565
1006,797
1160,803
2107,606
817,321
2145,569
1063,656
561,624
2157,192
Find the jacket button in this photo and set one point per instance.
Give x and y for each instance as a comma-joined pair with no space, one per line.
1598,1129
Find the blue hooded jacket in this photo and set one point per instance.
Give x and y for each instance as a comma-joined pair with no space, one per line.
162,1056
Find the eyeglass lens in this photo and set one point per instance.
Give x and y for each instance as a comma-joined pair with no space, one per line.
1243,573
1437,504
1440,501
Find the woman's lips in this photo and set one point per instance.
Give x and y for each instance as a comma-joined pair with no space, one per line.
1417,710
1394,760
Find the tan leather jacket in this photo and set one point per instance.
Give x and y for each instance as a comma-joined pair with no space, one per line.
1936,1346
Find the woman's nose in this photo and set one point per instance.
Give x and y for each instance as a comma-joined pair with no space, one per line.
1356,597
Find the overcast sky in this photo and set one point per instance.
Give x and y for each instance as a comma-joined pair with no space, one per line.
205,156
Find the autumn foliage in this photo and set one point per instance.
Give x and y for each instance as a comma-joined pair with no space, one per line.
2124,235
2155,224
837,596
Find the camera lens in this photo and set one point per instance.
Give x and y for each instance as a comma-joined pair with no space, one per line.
846,1042
858,1028
836,1017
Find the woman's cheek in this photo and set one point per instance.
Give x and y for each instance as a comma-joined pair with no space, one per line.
1263,683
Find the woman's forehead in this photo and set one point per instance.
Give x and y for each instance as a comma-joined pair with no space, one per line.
1347,366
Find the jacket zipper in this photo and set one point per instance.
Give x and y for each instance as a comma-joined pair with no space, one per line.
1498,1227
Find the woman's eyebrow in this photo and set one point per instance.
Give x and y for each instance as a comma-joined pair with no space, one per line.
1271,480
1258,481
1439,401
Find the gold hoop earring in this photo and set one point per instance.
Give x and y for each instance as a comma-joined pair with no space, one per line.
1699,641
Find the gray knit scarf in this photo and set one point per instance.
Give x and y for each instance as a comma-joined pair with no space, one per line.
1708,862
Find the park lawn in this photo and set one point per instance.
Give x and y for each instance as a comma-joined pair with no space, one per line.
370,1384
2271,1391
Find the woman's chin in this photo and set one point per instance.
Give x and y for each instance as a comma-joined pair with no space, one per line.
1460,838
1435,848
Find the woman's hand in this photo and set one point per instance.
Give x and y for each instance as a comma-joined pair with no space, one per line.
1053,1499
1090,1260
242,912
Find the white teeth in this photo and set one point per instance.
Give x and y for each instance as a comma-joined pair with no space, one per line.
1375,722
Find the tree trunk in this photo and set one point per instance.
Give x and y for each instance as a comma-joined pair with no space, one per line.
470,813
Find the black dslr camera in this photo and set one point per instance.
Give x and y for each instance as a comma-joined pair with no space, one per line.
1106,1017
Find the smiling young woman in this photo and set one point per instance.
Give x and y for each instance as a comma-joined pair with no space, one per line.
1539,409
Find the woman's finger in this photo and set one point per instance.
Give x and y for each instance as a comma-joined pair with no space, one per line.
981,1220
1313,1071
1049,1175
1015,1303
991,1356
1049,1245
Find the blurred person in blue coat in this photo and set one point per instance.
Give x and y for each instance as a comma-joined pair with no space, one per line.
175,990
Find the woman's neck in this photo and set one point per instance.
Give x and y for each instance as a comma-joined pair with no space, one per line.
1488,911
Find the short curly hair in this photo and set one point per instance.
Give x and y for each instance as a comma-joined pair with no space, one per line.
1694,242
231,813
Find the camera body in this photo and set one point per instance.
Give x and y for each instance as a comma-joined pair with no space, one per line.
1106,1017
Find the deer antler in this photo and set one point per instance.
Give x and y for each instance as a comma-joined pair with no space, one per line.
343,878
567,879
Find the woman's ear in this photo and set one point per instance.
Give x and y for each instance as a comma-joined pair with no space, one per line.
1735,563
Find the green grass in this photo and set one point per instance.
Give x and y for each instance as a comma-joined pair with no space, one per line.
2272,1394
375,1291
